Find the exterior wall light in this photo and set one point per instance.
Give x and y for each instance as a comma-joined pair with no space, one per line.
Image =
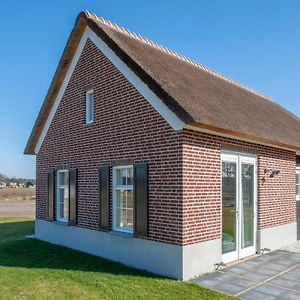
273,173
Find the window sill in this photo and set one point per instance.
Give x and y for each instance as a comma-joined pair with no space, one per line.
65,223
121,233
89,124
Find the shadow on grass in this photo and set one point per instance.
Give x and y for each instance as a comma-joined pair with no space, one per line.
12,231
17,251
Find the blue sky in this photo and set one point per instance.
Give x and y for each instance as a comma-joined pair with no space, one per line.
254,42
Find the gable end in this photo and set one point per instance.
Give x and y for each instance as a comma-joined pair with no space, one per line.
140,86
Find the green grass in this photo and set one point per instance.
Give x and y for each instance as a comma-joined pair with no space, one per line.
32,269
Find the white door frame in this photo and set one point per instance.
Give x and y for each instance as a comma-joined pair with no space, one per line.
297,172
233,255
239,159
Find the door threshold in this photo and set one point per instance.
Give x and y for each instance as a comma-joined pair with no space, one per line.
236,262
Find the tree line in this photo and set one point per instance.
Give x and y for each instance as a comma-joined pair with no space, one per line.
8,180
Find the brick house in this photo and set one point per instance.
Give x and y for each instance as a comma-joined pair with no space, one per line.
148,158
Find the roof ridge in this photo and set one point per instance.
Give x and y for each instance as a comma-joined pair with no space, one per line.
173,53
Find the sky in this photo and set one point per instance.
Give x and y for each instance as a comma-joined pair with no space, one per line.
254,42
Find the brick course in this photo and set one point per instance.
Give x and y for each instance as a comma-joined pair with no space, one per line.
126,130
202,181
184,167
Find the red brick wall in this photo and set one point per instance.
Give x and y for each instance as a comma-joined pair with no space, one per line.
202,185
184,167
126,130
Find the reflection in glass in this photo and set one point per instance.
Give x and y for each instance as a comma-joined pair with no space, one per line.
62,195
124,176
229,198
247,205
298,183
124,209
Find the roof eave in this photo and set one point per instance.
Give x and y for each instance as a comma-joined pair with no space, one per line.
241,136
84,20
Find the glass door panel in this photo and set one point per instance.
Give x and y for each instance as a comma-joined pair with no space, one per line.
229,206
239,189
298,184
247,205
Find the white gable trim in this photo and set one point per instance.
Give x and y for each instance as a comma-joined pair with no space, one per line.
143,89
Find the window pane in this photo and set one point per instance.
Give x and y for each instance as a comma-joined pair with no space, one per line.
63,178
297,183
130,218
121,218
130,176
66,204
123,205
121,176
62,195
89,107
61,210
130,199
229,202
121,198
247,205
63,203
91,104
124,176
124,219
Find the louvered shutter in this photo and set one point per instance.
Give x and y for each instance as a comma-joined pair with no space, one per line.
72,196
141,200
50,194
104,199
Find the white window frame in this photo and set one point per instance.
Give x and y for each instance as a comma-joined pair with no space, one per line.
89,106
298,183
58,200
115,188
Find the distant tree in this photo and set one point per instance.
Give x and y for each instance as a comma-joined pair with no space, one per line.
29,184
7,180
3,177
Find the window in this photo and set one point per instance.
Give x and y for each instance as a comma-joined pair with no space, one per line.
89,106
62,196
298,184
123,198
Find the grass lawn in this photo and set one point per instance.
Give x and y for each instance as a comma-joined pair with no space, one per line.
32,269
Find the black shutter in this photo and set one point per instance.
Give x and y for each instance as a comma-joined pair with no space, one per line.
104,202
141,200
73,196
50,196
298,161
